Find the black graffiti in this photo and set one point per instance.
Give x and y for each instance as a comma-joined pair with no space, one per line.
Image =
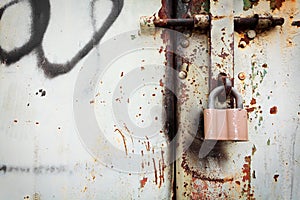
40,20
3,168
35,170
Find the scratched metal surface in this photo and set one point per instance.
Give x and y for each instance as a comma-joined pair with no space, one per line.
267,166
44,46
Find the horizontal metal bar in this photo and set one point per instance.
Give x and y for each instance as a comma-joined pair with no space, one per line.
203,22
174,22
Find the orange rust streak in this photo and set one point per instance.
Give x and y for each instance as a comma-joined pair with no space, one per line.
124,140
143,182
155,171
197,174
161,177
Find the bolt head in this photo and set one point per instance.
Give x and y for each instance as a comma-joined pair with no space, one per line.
242,44
185,43
182,75
242,76
251,34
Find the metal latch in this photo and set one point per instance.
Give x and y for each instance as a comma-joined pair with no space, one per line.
203,21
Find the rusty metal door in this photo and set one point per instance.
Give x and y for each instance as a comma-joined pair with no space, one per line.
261,60
104,99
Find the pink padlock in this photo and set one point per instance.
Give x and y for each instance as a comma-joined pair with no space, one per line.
225,124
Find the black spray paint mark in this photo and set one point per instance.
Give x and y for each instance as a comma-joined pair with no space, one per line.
3,169
40,21
35,170
8,5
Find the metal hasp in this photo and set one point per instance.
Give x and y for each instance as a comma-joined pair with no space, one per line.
202,21
225,124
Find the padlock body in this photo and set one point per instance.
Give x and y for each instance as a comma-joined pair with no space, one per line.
225,124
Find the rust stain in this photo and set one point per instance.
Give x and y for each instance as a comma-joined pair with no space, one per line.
250,109
161,175
247,178
223,54
276,177
155,171
143,182
162,167
253,101
184,94
147,144
273,110
200,190
163,12
161,83
124,140
161,49
197,174
127,129
246,168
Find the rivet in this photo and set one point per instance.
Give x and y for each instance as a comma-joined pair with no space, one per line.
251,34
242,44
185,43
182,74
242,76
183,71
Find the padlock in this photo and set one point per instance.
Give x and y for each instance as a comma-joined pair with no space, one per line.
225,124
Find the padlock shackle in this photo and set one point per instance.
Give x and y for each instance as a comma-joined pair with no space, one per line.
215,92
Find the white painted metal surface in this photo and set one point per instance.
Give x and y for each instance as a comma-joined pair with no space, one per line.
41,150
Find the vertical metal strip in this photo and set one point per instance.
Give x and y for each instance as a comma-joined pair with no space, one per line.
221,40
167,11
